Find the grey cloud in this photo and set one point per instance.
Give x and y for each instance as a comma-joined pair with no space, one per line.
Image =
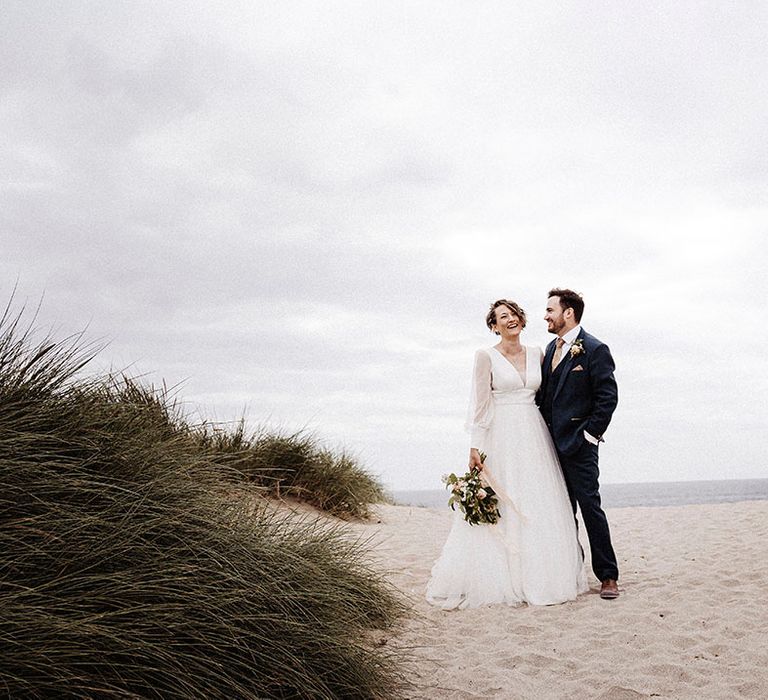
305,212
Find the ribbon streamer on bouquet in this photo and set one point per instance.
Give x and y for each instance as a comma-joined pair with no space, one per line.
501,494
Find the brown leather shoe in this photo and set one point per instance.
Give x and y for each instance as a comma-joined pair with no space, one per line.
609,590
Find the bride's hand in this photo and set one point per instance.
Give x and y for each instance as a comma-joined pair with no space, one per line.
474,459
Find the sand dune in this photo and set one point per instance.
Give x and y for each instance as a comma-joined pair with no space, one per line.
692,620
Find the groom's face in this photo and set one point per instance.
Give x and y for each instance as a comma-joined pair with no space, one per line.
554,316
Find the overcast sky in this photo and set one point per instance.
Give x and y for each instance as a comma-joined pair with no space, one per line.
301,211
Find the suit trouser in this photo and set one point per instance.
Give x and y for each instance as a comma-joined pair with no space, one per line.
581,474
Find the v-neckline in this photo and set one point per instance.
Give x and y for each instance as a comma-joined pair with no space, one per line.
507,360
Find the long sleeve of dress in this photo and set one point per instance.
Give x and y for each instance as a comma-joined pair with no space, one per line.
480,414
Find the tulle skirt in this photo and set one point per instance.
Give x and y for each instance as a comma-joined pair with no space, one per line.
532,554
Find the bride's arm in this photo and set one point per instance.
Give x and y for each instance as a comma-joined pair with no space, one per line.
480,407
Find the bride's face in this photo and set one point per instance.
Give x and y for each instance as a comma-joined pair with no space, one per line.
508,323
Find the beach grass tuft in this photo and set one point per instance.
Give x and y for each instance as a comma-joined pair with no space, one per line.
129,570
298,465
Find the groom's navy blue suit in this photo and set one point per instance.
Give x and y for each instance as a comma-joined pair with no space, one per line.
581,395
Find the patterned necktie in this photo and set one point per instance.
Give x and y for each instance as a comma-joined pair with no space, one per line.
558,353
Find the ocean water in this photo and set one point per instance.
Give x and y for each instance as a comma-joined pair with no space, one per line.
666,493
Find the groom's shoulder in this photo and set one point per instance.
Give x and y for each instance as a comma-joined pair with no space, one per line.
590,341
593,343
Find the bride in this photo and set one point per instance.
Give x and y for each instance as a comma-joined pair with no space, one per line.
532,554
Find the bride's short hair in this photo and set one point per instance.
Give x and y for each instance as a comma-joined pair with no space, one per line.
490,318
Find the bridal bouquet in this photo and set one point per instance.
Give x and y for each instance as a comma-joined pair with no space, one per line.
474,496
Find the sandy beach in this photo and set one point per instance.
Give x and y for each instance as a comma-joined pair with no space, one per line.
691,622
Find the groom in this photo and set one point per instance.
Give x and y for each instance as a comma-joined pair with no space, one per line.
577,397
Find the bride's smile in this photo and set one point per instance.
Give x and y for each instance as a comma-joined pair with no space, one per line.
507,322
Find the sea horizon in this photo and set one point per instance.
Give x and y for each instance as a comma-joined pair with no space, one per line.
627,495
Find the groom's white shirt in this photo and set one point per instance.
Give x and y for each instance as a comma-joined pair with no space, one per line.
568,338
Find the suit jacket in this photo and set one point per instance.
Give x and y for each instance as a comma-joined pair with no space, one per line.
585,394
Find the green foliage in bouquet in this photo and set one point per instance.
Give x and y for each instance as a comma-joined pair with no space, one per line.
474,496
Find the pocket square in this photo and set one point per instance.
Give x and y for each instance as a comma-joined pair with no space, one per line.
577,368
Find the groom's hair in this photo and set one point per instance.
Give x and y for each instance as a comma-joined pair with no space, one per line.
490,318
569,300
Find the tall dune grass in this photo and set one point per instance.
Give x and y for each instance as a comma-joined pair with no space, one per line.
297,465
126,571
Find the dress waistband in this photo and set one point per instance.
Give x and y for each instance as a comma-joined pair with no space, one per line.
511,400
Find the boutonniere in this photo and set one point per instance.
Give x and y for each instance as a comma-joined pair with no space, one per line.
577,347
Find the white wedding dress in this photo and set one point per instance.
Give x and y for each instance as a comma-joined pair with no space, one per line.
532,554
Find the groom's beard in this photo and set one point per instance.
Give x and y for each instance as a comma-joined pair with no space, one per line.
555,328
